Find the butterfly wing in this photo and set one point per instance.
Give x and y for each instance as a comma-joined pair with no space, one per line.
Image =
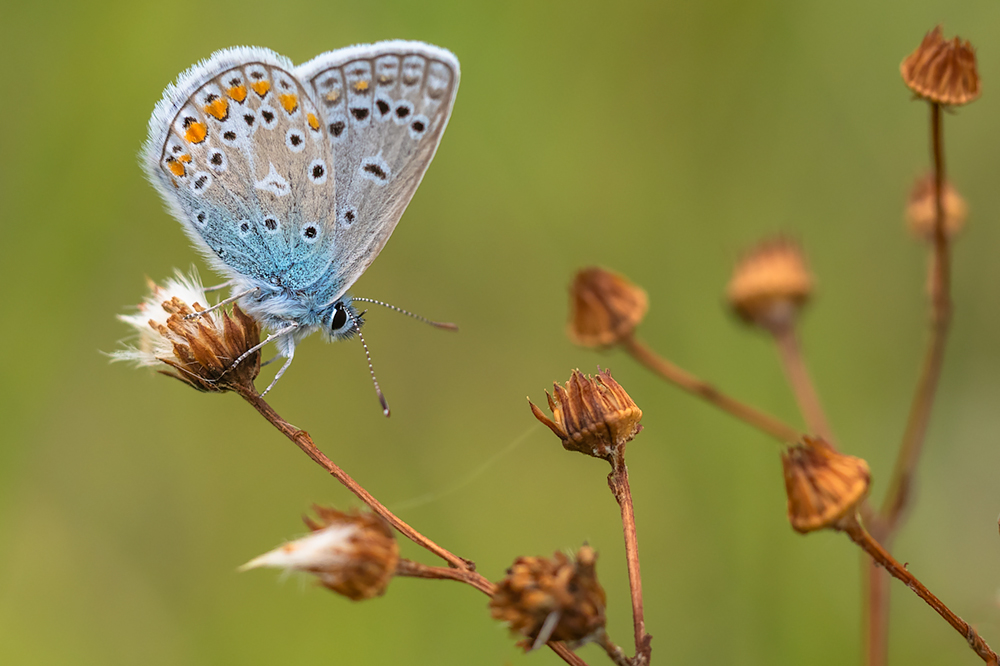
239,153
384,108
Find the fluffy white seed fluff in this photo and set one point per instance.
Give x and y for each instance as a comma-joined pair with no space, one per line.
324,550
151,344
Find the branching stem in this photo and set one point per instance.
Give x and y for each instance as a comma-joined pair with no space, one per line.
459,569
618,482
688,382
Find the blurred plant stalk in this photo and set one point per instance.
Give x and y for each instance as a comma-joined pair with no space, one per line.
606,308
944,74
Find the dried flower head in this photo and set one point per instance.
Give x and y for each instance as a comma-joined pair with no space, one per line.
942,71
552,599
201,350
592,415
353,554
604,308
823,485
921,210
770,284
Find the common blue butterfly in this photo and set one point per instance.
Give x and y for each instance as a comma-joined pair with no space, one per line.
290,180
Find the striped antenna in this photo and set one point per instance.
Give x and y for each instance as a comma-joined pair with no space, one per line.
371,368
436,324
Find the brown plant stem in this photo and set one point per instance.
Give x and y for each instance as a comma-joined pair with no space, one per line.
802,385
615,653
941,312
413,569
618,482
688,382
302,439
876,626
460,569
860,536
888,520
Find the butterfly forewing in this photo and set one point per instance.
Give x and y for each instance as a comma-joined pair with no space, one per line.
384,108
246,158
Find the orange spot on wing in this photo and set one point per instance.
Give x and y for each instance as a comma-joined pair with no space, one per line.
361,86
238,93
218,109
289,102
185,158
196,132
261,87
333,95
176,168
313,122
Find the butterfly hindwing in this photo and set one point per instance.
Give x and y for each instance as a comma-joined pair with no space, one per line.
241,155
384,108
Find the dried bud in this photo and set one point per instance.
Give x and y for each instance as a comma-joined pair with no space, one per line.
201,350
770,284
604,308
822,484
353,554
942,71
591,415
552,599
921,211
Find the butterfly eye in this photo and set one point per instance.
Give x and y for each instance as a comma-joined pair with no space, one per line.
339,317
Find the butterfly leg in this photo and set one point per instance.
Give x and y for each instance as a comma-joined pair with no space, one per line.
277,334
221,303
274,381
218,287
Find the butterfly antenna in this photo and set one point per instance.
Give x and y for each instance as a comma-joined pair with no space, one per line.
436,324
371,368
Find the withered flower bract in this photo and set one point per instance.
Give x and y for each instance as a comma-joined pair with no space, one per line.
942,71
552,599
591,415
604,308
770,284
200,350
354,554
823,485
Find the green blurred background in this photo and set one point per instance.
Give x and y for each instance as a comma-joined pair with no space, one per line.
655,138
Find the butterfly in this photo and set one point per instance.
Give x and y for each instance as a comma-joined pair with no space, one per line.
290,180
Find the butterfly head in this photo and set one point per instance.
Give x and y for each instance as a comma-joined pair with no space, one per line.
343,320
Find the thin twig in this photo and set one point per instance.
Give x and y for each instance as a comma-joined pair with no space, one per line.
413,569
887,521
460,569
800,381
688,382
858,535
618,482
941,312
302,439
615,653
876,613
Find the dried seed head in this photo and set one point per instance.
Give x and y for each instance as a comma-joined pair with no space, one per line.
770,284
201,350
942,71
921,211
353,554
552,599
604,308
822,484
592,415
